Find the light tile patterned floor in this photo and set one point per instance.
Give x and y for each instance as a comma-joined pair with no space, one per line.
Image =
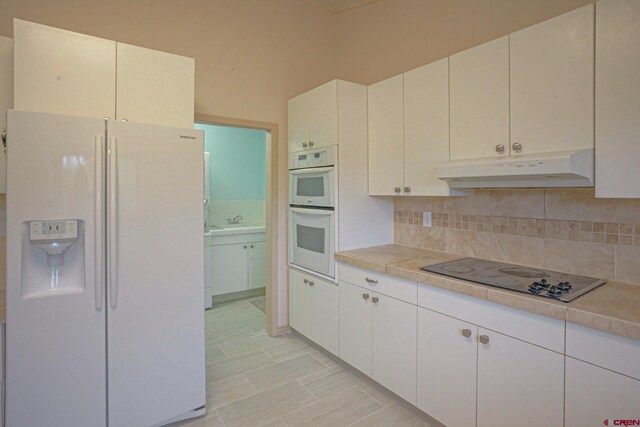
257,380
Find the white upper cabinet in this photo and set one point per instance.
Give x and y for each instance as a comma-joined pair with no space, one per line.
617,98
426,128
154,87
552,84
313,118
6,99
63,72
386,137
479,90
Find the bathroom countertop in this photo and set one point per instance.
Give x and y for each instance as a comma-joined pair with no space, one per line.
234,229
613,307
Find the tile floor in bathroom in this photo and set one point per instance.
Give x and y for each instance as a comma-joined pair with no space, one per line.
257,380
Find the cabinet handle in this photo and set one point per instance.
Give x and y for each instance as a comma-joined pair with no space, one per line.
484,339
371,280
310,143
407,189
305,145
375,299
398,189
306,281
251,246
500,148
466,333
311,283
244,247
365,296
516,146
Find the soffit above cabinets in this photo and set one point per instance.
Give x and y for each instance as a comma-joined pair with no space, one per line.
339,5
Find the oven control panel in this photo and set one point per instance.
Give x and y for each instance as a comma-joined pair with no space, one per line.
319,157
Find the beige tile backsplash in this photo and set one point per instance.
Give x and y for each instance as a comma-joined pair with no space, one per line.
560,229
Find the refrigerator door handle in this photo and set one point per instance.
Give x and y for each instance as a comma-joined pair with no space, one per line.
113,222
99,222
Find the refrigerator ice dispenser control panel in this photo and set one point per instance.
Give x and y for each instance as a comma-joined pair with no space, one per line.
53,230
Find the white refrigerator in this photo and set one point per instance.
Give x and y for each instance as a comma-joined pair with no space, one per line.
105,325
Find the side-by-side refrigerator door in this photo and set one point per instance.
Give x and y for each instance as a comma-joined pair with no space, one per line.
56,355
155,274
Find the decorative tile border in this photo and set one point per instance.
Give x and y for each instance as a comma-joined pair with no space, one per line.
596,232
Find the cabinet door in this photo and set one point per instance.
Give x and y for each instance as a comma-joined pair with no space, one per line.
595,394
426,128
394,345
6,99
518,383
299,300
617,98
229,266
256,265
323,314
155,87
552,84
479,89
355,327
208,275
298,122
447,368
323,115
62,72
386,136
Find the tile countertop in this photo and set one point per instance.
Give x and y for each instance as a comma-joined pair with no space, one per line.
613,307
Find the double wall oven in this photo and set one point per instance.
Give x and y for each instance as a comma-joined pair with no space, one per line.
312,202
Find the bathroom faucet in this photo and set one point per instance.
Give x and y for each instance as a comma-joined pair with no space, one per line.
235,220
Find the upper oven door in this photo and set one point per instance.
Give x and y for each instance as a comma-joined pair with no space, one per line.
311,240
312,187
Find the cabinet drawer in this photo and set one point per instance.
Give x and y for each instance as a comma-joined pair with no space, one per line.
619,354
401,289
534,328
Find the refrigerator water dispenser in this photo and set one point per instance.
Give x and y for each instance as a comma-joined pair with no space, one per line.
52,257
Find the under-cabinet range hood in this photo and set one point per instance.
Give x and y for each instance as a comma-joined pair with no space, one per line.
558,169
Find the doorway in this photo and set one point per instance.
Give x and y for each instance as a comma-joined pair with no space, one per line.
231,206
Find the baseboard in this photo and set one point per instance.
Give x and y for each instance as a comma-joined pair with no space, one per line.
238,295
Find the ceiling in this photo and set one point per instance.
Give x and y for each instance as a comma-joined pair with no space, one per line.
340,5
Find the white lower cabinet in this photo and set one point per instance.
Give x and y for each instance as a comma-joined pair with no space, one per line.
394,345
596,394
355,334
313,309
377,335
468,375
237,263
518,383
447,368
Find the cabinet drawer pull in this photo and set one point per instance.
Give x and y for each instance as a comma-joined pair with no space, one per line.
484,339
310,143
466,333
311,283
373,281
398,189
244,247
365,296
500,148
251,246
305,145
516,146
306,281
375,299
407,189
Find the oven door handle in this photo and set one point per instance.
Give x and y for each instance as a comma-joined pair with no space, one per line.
311,170
305,211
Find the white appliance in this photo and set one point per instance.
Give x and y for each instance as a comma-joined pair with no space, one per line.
312,179
558,169
312,240
104,273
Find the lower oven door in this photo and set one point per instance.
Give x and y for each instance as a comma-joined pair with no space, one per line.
311,240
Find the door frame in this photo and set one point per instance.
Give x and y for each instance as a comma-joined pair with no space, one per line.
271,221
